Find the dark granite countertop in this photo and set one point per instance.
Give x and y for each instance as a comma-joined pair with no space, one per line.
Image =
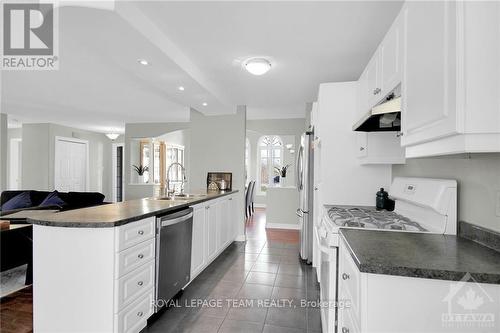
116,214
422,255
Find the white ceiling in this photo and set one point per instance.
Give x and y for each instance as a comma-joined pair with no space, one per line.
199,45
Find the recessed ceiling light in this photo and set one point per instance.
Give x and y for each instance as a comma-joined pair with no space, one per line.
143,62
257,66
181,88
204,104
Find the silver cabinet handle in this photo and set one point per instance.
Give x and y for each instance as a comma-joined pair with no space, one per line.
361,148
140,256
140,283
345,276
400,134
374,91
140,314
230,199
140,232
345,330
315,188
299,212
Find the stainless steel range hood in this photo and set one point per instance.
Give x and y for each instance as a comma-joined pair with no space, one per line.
385,117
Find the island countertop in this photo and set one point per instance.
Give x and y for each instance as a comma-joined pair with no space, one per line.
120,213
422,255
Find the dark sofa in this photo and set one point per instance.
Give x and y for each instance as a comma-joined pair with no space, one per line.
73,200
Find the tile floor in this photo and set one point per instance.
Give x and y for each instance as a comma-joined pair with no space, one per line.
264,268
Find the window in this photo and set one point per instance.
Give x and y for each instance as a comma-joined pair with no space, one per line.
270,149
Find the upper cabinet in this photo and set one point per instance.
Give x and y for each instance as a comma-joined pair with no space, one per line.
428,88
451,74
383,73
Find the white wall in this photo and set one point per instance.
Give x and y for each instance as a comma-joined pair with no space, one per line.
218,145
343,179
38,157
478,177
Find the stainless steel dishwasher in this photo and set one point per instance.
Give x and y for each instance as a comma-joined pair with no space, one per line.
173,254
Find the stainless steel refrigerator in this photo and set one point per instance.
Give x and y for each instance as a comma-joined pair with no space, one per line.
305,168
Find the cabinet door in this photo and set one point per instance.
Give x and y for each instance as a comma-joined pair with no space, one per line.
224,208
211,215
390,58
198,248
372,81
231,221
428,88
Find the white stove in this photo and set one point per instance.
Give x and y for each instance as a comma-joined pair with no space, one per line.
421,205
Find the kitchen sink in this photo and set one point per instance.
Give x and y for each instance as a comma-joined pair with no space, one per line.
179,197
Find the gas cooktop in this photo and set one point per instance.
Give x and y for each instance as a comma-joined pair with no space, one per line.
368,217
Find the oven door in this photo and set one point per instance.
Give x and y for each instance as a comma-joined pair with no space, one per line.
328,285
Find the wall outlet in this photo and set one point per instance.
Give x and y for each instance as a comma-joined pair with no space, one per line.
498,203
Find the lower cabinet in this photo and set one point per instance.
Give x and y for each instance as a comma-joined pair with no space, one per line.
388,303
214,228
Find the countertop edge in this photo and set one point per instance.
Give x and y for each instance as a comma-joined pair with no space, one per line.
117,223
415,272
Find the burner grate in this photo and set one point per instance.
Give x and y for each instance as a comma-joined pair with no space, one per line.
360,217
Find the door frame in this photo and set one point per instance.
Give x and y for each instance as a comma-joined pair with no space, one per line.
12,142
113,166
56,155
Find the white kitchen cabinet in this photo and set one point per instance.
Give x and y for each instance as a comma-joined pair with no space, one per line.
198,248
383,72
214,228
386,303
107,272
451,86
389,59
379,148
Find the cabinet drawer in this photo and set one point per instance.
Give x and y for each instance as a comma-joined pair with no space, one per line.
133,257
134,285
133,318
134,233
349,282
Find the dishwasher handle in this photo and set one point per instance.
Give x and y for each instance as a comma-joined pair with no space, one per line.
165,221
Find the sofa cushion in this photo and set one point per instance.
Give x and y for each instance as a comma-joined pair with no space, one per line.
22,200
53,199
84,199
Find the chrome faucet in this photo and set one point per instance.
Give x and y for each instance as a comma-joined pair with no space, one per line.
171,192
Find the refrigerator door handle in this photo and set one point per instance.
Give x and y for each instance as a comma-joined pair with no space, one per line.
299,168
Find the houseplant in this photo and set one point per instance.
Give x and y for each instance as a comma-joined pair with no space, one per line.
140,169
281,172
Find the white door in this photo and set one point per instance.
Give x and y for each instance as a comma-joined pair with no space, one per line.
71,165
15,160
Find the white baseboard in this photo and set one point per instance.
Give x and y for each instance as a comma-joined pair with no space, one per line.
282,226
240,238
256,205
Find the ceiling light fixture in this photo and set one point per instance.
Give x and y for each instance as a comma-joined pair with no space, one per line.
181,88
112,136
143,62
204,104
257,66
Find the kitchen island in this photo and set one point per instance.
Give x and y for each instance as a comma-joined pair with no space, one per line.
94,268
